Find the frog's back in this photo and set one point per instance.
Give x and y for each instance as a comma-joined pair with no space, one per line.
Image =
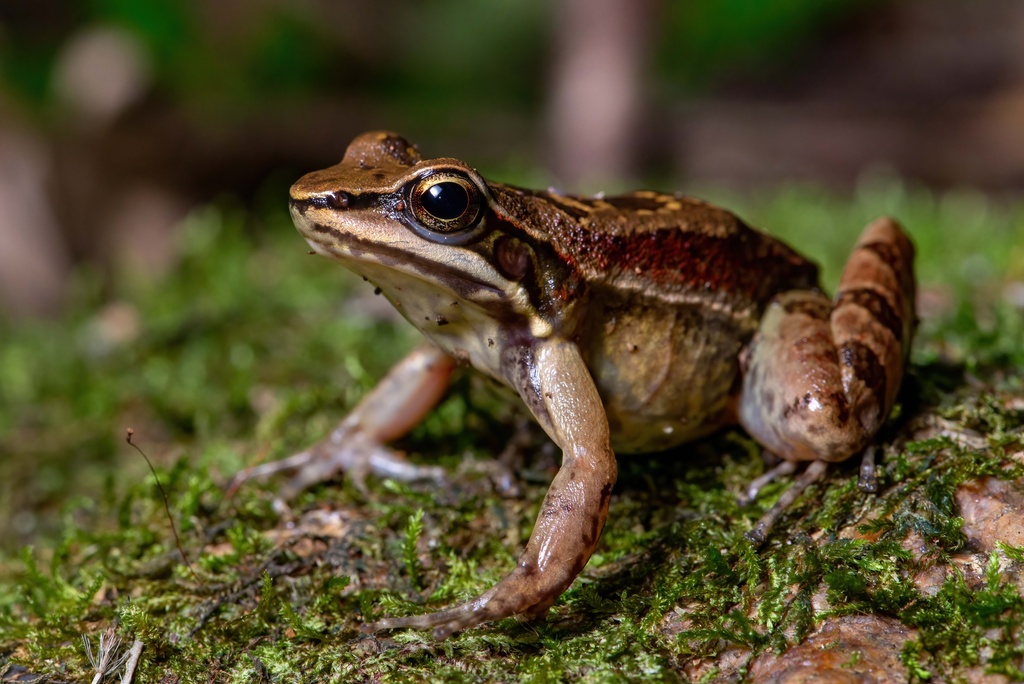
671,243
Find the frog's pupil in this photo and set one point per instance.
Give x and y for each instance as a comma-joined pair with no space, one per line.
447,200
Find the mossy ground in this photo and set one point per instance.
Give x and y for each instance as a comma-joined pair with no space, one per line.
251,350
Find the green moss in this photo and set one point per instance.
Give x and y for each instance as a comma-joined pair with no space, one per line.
245,355
959,622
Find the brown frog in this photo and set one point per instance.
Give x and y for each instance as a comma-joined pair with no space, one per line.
626,324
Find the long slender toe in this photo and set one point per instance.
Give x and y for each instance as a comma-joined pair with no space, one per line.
764,526
867,481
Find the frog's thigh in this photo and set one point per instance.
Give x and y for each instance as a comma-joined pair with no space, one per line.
792,400
820,377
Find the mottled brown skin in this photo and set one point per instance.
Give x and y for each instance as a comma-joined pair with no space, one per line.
626,324
840,362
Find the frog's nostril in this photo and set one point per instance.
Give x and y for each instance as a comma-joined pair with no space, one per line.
332,199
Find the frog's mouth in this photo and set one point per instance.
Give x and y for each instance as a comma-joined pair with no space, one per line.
353,252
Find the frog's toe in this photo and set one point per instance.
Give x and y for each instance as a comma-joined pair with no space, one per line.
358,456
262,470
354,454
525,591
812,474
867,481
446,622
782,469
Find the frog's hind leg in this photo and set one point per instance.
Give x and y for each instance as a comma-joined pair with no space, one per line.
820,376
356,446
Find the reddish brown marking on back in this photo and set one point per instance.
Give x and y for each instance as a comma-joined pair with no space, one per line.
742,262
693,245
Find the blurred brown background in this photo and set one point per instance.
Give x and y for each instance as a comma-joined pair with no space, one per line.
117,117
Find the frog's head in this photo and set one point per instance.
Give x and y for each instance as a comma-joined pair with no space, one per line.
429,233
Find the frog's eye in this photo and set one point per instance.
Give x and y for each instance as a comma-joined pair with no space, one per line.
445,203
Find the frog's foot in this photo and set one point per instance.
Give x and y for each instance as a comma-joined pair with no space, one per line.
354,453
523,592
866,480
356,447
820,376
811,475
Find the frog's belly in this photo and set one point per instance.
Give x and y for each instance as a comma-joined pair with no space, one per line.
666,374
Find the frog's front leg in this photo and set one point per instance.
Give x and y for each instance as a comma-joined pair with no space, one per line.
557,387
820,377
356,446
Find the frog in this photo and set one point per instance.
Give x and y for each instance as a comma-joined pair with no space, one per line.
626,324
